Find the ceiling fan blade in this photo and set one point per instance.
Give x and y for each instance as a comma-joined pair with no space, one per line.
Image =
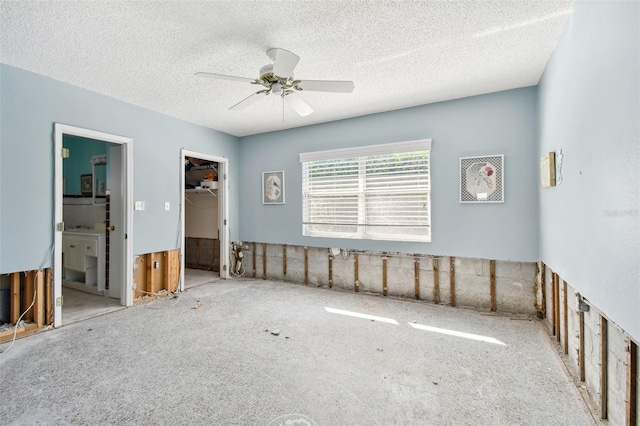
283,62
224,77
326,86
299,106
248,101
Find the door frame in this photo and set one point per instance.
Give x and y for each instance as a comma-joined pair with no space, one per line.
59,131
223,210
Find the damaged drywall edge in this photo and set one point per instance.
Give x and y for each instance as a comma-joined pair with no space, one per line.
508,287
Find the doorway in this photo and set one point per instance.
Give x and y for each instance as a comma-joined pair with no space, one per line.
204,211
93,223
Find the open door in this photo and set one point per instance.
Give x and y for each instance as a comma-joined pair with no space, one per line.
222,194
121,270
116,223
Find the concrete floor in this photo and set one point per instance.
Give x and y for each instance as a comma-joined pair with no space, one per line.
79,305
196,277
207,358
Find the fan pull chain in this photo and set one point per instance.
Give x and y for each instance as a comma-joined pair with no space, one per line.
283,109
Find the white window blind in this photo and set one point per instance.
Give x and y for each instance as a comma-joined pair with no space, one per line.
374,192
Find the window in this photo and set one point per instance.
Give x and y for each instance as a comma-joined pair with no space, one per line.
379,192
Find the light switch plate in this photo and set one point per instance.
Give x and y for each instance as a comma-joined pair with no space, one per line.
139,205
167,206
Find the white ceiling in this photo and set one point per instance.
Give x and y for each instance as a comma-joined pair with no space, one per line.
398,54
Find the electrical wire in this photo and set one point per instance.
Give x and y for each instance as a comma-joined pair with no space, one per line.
175,296
233,260
157,293
35,292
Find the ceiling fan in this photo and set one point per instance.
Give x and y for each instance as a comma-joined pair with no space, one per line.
277,79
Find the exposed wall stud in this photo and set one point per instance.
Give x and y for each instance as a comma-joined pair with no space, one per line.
166,279
581,365
632,383
330,269
284,259
384,276
38,305
49,297
557,308
15,297
27,297
306,265
416,267
492,284
452,280
604,366
264,261
543,288
565,306
436,281
150,274
356,271
253,255
173,259
554,327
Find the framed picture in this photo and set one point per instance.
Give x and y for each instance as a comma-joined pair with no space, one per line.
86,184
482,179
273,187
548,169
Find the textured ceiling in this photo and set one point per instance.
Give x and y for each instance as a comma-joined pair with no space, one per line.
398,54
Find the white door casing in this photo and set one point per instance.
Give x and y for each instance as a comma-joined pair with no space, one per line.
127,198
223,210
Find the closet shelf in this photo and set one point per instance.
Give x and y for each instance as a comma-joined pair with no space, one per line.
199,192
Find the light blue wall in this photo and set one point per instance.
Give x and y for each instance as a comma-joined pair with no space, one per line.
590,108
30,105
498,123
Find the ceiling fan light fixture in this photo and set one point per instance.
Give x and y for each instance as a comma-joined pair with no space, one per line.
276,89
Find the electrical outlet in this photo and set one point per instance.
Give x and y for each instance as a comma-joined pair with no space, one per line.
139,205
167,206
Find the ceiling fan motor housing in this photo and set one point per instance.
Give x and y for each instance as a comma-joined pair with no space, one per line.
266,74
268,79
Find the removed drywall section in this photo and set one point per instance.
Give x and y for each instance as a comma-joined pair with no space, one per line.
394,274
472,283
202,253
318,266
515,286
604,356
156,274
400,276
30,304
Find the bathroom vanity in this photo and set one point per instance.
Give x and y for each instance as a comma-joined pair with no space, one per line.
83,259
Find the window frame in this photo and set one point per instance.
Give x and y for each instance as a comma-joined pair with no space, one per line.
363,231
